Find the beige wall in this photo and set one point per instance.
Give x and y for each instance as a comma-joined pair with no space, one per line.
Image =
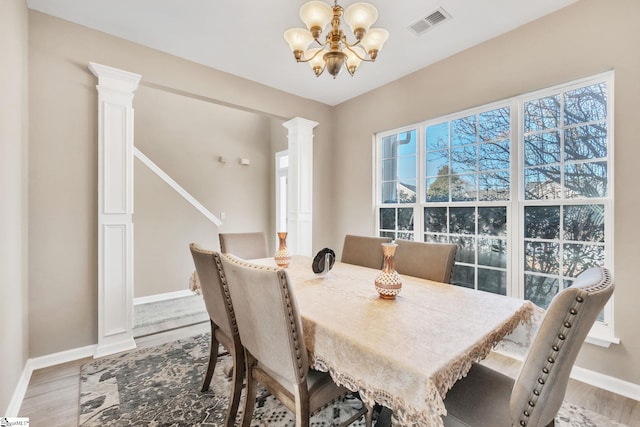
63,165
185,137
13,184
586,38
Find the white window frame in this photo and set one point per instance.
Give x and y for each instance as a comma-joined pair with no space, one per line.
417,214
602,333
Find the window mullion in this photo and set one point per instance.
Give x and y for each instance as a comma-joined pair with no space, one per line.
515,229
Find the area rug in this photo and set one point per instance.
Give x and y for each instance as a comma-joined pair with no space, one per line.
160,386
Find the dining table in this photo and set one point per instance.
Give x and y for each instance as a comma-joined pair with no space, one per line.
404,353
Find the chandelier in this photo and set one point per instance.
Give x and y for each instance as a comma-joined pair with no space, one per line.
336,51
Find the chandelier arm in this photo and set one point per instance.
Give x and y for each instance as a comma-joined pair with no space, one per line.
323,45
314,55
348,46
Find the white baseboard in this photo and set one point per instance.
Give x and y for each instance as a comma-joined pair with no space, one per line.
163,297
19,392
595,379
605,382
39,363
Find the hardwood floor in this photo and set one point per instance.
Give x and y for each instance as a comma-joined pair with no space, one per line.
53,394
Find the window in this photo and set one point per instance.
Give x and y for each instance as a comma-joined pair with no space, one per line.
398,184
565,190
467,193
523,187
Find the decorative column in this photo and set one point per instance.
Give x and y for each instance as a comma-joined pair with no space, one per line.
115,208
300,186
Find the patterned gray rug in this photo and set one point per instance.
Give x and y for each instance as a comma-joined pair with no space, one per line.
160,386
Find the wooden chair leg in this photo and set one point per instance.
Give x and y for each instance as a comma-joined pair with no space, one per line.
368,417
366,410
303,410
251,390
213,358
236,387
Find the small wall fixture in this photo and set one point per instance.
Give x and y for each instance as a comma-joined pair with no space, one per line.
245,162
336,50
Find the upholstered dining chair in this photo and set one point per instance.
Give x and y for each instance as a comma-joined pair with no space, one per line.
271,332
223,325
363,250
244,245
488,398
431,261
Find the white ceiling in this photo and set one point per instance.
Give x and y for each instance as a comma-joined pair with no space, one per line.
244,37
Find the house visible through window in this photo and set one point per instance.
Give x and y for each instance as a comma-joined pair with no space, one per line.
523,187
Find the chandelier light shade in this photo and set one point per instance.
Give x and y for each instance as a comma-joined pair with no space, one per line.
335,51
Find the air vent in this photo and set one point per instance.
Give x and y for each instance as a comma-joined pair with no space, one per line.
428,22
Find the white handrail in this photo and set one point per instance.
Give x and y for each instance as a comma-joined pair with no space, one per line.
181,191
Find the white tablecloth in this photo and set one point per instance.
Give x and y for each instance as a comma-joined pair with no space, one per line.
405,353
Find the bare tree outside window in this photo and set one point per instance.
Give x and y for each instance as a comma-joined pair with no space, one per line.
565,158
549,222
468,161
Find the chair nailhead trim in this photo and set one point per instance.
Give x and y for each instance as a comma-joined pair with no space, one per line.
227,296
604,283
292,322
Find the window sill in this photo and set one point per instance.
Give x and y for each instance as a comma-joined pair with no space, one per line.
602,335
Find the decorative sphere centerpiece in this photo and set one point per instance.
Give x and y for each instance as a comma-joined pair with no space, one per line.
282,255
388,283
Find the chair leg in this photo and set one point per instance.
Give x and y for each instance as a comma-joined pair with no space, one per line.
251,390
302,404
366,410
368,417
213,358
236,387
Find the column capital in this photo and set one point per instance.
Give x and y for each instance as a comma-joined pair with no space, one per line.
298,123
113,79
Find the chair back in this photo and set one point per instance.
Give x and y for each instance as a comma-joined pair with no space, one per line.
216,298
540,387
363,250
244,245
268,319
431,261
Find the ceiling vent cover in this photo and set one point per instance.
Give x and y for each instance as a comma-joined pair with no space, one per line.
426,23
